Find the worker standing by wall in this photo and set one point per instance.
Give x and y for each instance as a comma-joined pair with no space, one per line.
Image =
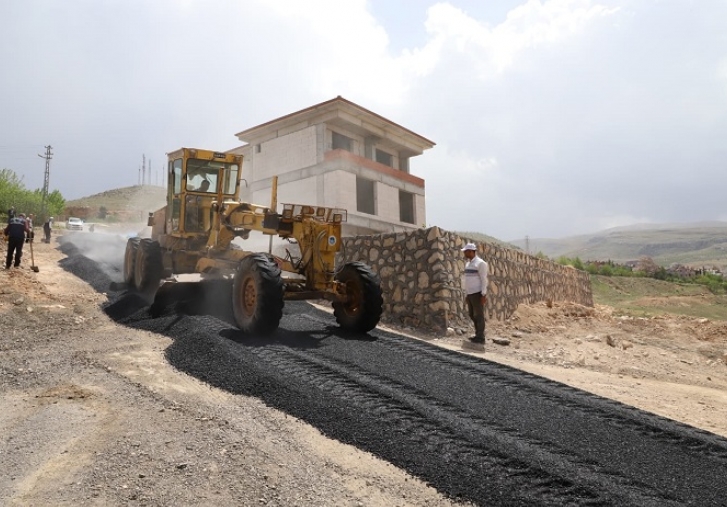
475,286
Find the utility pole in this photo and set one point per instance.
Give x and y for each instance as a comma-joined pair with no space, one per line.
527,244
46,180
143,170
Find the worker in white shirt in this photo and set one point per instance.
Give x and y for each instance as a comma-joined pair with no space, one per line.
475,287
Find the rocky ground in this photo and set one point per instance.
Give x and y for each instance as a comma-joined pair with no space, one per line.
92,413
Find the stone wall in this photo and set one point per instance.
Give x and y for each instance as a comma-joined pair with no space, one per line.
421,277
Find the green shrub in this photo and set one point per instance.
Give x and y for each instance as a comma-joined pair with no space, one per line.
622,271
591,269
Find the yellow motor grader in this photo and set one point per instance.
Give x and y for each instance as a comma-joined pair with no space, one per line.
198,230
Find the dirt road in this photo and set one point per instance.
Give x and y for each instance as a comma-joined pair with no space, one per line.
94,413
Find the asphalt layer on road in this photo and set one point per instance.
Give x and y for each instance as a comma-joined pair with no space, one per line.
473,429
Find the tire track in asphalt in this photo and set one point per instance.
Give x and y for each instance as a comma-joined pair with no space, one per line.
616,413
480,441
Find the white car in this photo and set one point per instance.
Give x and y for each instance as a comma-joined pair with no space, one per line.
74,224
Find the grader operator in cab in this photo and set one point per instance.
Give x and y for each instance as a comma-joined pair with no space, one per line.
194,232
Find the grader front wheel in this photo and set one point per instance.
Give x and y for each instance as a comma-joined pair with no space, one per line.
148,268
362,311
257,295
132,246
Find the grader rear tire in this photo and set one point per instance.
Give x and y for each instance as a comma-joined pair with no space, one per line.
148,269
361,313
132,246
257,295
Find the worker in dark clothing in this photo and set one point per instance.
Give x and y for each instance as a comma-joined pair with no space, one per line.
16,230
47,227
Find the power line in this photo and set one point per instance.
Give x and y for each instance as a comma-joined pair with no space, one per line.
46,180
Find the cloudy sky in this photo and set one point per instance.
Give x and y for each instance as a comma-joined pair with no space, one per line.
551,117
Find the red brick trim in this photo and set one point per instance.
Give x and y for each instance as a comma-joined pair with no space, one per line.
372,164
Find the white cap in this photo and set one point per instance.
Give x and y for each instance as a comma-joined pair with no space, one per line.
469,246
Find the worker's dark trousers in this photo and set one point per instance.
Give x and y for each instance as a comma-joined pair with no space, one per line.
477,314
15,245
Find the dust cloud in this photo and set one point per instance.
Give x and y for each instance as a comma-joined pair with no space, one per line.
106,249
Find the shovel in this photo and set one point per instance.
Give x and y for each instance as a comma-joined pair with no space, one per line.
32,258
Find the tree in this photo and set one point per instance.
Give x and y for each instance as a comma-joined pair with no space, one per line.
648,266
10,189
14,193
56,203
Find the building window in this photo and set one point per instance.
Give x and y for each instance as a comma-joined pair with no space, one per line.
341,142
365,198
258,148
406,207
384,158
403,163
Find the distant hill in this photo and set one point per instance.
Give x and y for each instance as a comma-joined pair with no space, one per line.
478,236
690,244
126,199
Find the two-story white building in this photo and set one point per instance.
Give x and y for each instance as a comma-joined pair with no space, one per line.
340,155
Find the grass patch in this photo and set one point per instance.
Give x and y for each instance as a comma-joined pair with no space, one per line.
646,297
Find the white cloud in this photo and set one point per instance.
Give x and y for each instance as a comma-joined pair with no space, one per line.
495,49
344,49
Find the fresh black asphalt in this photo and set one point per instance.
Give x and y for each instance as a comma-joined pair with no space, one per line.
473,429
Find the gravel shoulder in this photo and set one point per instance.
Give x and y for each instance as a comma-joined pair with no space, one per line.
92,413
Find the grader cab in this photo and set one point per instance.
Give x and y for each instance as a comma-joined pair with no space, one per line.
198,230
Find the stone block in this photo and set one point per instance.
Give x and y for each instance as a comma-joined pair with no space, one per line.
439,306
423,280
433,234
